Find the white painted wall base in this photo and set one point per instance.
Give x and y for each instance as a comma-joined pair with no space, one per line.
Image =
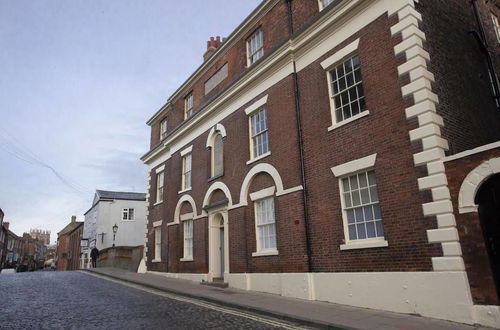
183,276
441,295
487,315
142,269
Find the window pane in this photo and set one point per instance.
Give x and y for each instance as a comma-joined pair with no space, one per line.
354,182
361,230
345,184
368,213
350,216
370,230
355,198
359,214
365,196
374,194
376,211
380,229
363,182
352,232
347,199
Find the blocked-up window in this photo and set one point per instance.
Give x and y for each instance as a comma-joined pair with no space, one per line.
217,155
163,129
265,224
347,89
361,208
259,133
255,47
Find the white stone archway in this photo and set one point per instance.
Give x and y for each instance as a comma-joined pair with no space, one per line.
260,168
217,128
217,186
184,198
472,183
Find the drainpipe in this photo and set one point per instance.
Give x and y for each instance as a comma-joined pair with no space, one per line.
483,45
301,144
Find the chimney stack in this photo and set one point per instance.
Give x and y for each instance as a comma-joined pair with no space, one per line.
6,225
73,218
212,45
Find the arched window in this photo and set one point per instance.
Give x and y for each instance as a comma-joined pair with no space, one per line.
217,155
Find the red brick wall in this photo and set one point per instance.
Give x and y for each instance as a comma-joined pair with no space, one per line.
474,251
384,132
462,82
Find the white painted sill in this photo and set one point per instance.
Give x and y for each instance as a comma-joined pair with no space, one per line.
187,259
156,260
265,253
157,203
259,158
365,244
184,191
349,120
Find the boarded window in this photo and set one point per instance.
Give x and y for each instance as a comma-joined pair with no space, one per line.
216,79
218,156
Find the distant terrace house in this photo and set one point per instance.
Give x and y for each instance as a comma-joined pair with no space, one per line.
126,210
3,240
68,245
338,150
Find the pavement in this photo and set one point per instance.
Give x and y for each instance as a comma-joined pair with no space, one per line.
308,313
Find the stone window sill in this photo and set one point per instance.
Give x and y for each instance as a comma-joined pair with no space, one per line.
365,244
347,121
184,191
258,158
265,253
156,260
187,259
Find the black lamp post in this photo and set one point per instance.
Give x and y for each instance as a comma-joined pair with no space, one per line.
115,229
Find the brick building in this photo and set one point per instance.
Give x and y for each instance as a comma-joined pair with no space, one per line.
321,152
3,240
68,245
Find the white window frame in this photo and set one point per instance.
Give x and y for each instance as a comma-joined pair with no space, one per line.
328,65
163,129
127,215
187,237
258,53
187,160
188,106
160,180
258,197
250,111
342,171
322,6
157,237
496,26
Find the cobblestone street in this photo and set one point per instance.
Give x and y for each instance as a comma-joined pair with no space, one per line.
75,300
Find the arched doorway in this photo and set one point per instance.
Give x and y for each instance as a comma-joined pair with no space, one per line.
218,259
488,201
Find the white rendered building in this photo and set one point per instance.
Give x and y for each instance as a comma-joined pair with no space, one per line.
126,210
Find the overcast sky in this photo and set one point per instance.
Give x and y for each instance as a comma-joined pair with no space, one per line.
78,81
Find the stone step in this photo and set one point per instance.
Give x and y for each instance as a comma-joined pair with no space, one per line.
217,282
